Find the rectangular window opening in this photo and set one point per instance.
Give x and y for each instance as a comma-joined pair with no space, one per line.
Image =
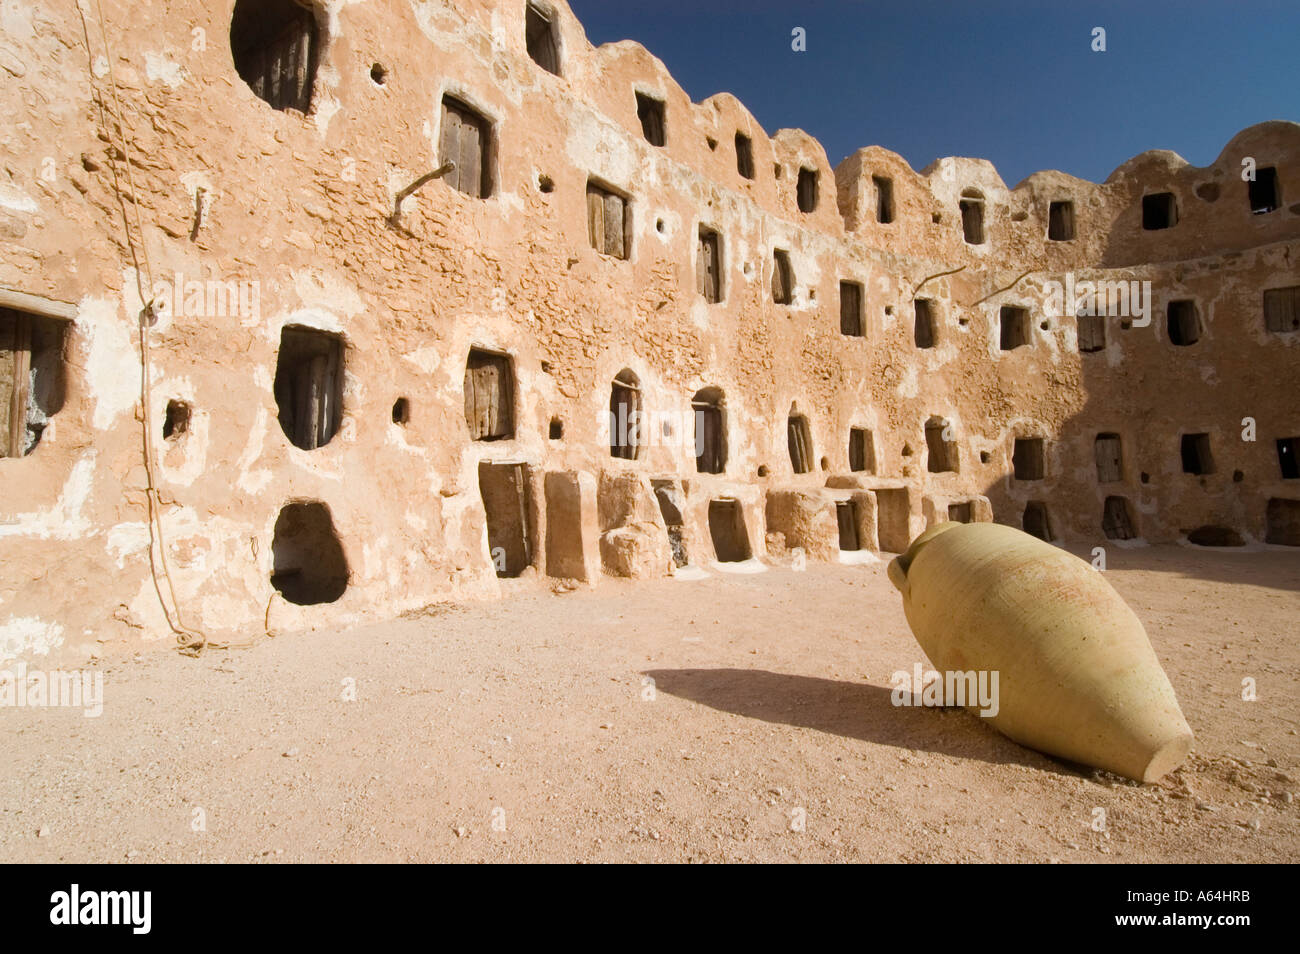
1013,327
1184,325
1060,221
846,515
884,199
782,278
708,265
941,454
1196,455
1036,522
1282,309
651,113
862,451
465,139
744,155
800,443
972,220
489,396
543,44
959,512
710,436
1159,211
851,309
276,49
806,190
1264,193
1092,333
923,329
31,378
308,386
1288,457
609,226
1028,460
1109,454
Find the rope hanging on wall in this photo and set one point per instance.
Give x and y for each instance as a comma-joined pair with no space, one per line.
191,640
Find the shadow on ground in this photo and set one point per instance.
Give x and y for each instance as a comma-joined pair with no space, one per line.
852,710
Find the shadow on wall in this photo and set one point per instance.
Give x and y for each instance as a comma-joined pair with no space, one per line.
1135,463
851,710
1270,570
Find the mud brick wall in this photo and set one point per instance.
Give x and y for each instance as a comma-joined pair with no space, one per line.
353,406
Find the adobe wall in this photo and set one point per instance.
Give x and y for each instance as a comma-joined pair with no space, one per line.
227,189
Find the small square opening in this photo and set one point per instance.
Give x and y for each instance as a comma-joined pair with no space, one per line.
402,411
176,422
1013,327
1282,309
1060,221
1092,333
1159,211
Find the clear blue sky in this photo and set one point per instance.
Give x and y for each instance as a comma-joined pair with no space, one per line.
1012,81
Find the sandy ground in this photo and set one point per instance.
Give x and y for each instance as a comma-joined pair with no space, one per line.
526,730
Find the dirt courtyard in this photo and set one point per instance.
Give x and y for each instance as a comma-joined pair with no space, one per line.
735,718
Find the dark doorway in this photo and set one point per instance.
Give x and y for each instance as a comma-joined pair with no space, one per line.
504,489
308,566
727,528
